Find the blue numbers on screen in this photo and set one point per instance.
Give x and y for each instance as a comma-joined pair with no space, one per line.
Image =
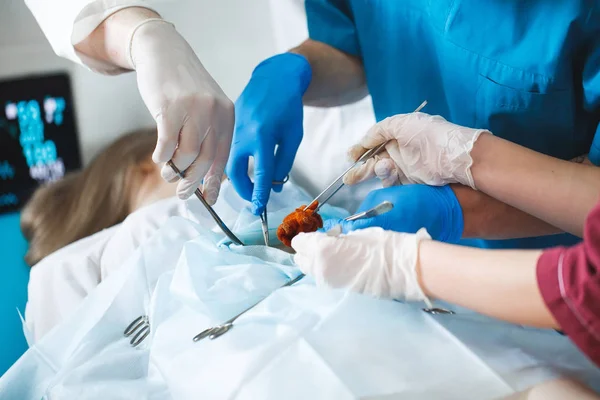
7,171
54,108
30,123
8,199
41,155
51,154
60,108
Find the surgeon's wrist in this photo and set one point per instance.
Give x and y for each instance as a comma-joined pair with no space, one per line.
147,35
482,146
109,42
291,67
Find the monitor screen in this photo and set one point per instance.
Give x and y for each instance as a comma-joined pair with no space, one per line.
38,136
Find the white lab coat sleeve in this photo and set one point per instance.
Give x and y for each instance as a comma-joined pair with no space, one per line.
67,22
59,283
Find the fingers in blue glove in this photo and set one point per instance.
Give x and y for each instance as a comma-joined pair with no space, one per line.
263,181
268,117
415,206
237,172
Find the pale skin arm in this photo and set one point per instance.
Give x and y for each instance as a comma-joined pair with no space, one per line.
338,78
498,283
485,217
559,389
109,41
559,192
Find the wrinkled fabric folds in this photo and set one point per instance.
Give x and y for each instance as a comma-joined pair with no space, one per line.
300,342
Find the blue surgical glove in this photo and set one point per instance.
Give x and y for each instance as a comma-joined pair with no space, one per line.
268,127
435,208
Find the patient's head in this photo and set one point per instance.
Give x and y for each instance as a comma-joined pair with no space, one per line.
121,179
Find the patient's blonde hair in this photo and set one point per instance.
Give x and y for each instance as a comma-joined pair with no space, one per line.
87,201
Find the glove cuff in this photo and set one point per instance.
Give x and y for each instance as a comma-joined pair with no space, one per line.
414,291
468,175
453,219
129,54
289,66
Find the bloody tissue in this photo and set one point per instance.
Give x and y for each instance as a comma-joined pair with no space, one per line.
299,221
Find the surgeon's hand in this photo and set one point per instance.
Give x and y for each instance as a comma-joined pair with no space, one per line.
423,149
371,261
434,208
193,116
268,127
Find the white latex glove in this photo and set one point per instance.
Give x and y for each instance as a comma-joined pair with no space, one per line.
194,117
370,261
423,149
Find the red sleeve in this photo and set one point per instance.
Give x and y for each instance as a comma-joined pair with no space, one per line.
569,280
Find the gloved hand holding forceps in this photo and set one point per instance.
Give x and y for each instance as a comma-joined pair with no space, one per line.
194,117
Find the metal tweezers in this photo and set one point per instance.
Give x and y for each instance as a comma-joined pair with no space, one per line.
338,183
210,210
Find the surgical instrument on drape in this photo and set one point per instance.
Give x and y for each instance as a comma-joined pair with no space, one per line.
338,183
139,329
263,217
265,226
217,331
210,210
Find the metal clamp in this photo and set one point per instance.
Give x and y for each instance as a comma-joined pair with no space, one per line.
139,329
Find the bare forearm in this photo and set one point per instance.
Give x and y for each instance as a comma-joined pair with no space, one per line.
488,218
110,40
557,191
498,283
337,78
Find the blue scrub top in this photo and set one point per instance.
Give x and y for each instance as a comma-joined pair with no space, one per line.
527,70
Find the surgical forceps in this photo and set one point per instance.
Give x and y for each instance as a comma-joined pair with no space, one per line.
379,209
210,210
263,217
217,331
338,183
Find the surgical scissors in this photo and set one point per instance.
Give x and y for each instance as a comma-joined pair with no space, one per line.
210,210
338,183
265,226
220,330
263,217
